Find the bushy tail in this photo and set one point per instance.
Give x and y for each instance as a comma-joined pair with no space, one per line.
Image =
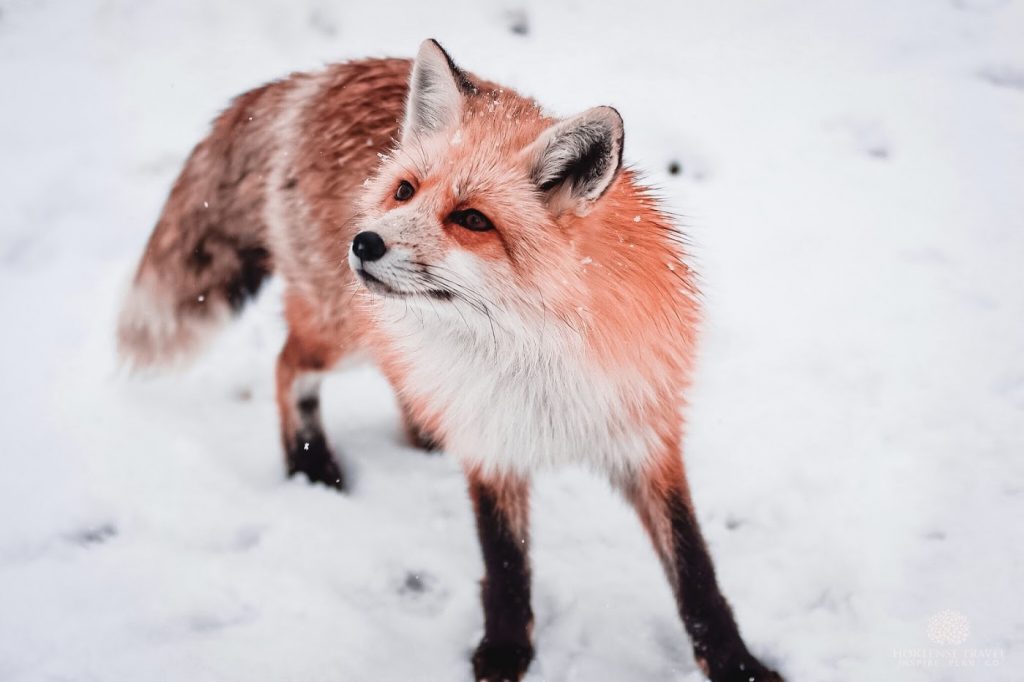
208,253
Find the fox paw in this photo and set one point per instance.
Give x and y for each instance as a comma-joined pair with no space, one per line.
311,456
741,669
501,661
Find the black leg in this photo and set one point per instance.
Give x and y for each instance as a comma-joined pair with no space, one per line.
662,500
307,451
502,516
717,644
298,402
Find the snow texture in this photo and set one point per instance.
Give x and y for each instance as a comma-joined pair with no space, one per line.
852,177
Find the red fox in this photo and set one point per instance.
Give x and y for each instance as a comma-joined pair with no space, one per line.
522,291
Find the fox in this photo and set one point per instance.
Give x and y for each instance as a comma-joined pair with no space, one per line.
525,294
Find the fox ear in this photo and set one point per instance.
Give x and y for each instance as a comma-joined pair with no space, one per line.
575,161
436,88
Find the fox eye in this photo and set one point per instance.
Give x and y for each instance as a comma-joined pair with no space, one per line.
472,219
405,191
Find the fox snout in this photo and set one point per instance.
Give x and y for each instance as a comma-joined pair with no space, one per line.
392,268
368,247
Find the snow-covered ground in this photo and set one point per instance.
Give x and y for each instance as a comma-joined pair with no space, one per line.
852,177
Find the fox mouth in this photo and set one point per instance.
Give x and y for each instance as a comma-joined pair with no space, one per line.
379,286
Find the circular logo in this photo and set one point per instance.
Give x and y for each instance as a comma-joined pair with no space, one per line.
948,627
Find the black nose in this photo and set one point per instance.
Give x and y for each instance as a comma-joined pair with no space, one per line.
368,246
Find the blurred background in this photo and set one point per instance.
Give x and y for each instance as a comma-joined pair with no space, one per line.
850,175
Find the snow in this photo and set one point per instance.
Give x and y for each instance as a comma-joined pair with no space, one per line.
850,177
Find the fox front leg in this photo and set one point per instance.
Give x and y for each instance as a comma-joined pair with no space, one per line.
501,506
661,497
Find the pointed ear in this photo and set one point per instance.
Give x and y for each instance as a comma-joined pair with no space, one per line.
436,89
576,160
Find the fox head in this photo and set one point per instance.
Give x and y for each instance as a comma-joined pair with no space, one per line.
484,198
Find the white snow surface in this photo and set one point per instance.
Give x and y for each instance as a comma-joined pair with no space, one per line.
852,179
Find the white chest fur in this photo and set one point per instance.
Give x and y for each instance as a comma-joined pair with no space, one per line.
522,401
